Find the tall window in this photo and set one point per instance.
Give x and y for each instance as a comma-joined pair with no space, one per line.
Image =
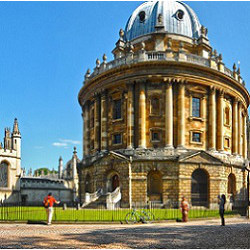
196,107
227,116
117,109
155,106
3,174
92,118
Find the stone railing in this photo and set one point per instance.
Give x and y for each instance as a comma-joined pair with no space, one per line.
113,198
91,197
144,56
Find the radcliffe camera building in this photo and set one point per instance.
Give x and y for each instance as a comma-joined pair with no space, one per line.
165,118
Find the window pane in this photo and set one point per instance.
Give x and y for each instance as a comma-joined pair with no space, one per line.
196,137
196,105
117,114
155,136
117,139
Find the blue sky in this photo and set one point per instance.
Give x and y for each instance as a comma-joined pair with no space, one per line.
46,48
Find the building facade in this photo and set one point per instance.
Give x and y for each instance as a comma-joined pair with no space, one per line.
63,185
165,118
10,164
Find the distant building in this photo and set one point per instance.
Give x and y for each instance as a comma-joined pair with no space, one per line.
10,164
63,185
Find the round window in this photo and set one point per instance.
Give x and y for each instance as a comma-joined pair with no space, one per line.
179,14
142,16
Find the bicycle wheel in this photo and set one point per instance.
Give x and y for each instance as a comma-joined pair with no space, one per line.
149,216
131,218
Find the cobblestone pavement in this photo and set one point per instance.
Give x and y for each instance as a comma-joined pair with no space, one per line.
194,234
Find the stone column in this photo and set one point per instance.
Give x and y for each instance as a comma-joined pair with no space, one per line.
169,116
181,116
212,119
104,121
130,116
220,124
142,116
240,128
97,123
235,127
86,130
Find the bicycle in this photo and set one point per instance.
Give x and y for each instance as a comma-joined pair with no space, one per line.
139,216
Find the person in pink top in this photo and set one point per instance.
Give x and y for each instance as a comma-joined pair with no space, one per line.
184,209
48,202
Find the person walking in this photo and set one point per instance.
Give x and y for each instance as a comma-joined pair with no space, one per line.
222,208
48,202
184,209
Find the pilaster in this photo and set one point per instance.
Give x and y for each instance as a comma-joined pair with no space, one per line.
130,116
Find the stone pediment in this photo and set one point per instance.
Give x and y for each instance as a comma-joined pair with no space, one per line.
110,158
200,157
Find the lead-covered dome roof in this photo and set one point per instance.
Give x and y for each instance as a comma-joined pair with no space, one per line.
176,17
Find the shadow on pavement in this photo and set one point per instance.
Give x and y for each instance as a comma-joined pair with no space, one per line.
139,236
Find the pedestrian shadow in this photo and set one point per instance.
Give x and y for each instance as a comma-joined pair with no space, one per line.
38,222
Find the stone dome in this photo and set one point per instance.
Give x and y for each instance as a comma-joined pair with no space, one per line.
175,17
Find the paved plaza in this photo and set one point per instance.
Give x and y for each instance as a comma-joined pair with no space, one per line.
194,234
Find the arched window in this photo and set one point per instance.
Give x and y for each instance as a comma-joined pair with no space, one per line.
88,184
227,116
3,174
155,106
199,188
231,184
154,186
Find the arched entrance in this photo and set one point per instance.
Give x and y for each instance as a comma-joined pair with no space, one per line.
113,181
231,187
199,188
154,186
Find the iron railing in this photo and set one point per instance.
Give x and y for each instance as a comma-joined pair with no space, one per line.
73,213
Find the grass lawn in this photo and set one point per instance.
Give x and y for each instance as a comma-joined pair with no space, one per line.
39,214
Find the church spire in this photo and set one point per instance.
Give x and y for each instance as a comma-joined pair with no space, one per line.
16,128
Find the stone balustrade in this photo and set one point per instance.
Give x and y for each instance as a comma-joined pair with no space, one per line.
144,56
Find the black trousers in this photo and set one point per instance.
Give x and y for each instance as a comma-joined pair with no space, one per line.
222,217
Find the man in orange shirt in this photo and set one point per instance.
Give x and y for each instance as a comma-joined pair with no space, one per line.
48,204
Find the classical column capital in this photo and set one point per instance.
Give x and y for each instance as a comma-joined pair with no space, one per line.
236,100
221,92
212,89
130,83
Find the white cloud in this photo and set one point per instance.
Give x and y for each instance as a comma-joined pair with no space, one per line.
68,141
59,144
65,143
